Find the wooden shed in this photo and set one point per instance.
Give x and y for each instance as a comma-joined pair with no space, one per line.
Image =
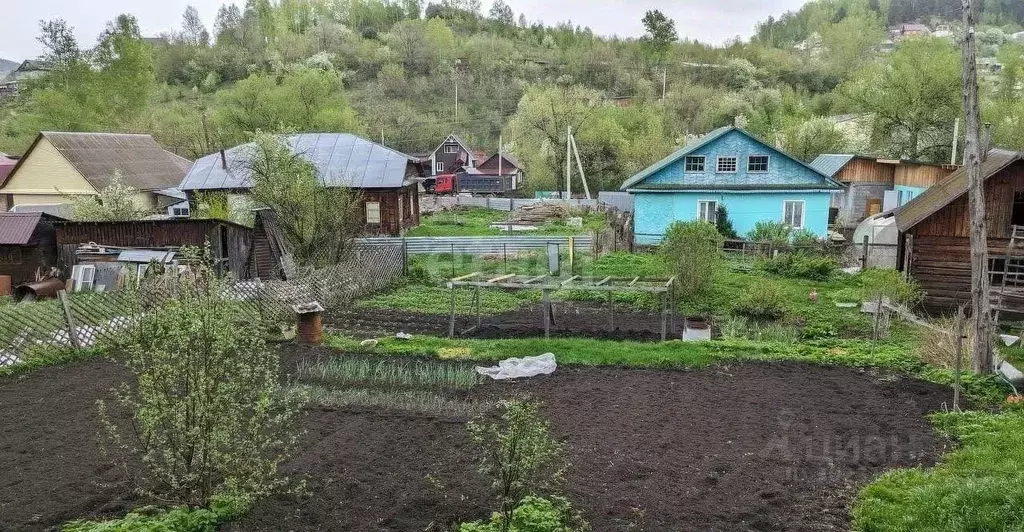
230,243
935,229
27,245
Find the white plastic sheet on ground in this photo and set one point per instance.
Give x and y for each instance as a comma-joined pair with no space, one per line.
1009,339
515,368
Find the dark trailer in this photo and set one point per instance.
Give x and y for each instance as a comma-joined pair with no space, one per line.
475,181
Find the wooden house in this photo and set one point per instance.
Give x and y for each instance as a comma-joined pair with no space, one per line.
452,155
869,181
935,229
59,165
387,179
729,168
27,245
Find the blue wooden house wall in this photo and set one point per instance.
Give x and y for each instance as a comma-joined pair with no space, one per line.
665,192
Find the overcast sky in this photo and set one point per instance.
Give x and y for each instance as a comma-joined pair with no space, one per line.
711,21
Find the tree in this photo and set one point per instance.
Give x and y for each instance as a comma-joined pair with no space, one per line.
318,222
914,98
114,203
126,67
227,27
208,416
693,250
425,46
62,52
814,137
502,13
973,157
1012,58
193,32
661,33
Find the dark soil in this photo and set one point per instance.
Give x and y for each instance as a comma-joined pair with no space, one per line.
570,319
745,447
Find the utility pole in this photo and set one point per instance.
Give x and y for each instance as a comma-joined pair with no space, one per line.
956,140
382,136
664,84
456,99
568,163
980,293
500,175
579,166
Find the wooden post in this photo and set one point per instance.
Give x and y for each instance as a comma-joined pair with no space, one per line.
72,330
664,315
477,298
864,253
957,368
973,157
611,312
451,322
874,331
546,308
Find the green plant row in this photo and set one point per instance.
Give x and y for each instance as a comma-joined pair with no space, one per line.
222,509
387,373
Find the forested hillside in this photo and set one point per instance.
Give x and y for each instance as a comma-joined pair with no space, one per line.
817,80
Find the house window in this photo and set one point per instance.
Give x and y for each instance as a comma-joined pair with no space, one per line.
373,212
793,213
439,167
757,163
1017,214
180,212
451,148
694,163
707,211
727,165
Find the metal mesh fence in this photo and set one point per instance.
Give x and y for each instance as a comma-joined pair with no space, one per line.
82,320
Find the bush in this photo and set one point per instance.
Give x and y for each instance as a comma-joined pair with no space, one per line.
889,284
800,265
518,455
693,251
723,224
534,514
184,519
764,301
207,415
777,233
804,238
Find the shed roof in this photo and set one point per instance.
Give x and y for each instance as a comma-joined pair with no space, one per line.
341,160
950,188
140,161
17,228
831,163
6,165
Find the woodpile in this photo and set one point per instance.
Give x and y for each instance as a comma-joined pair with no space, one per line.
539,214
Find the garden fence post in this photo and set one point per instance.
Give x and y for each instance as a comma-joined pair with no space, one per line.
453,263
864,256
405,256
874,331
72,330
664,315
546,306
959,357
451,322
504,256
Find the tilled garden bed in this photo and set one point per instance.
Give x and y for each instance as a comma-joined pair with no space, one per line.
744,447
570,319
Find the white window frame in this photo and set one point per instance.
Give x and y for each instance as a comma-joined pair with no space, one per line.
703,213
803,213
376,207
451,148
718,164
767,166
439,167
703,164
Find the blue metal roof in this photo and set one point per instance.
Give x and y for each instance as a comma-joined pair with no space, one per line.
145,256
341,159
830,163
713,181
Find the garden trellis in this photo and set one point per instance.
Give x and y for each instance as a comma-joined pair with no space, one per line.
660,286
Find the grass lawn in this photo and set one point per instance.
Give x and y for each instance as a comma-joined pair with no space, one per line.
476,221
979,486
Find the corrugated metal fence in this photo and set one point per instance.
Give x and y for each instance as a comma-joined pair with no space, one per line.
478,245
431,203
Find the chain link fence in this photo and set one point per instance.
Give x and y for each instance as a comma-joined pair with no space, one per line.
82,320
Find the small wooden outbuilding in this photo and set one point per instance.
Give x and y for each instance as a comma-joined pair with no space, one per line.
27,245
935,245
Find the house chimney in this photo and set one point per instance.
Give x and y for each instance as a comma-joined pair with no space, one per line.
223,160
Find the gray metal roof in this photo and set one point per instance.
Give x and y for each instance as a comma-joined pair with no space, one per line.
341,159
830,163
146,255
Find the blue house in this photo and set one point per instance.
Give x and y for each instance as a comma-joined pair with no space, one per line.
729,167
